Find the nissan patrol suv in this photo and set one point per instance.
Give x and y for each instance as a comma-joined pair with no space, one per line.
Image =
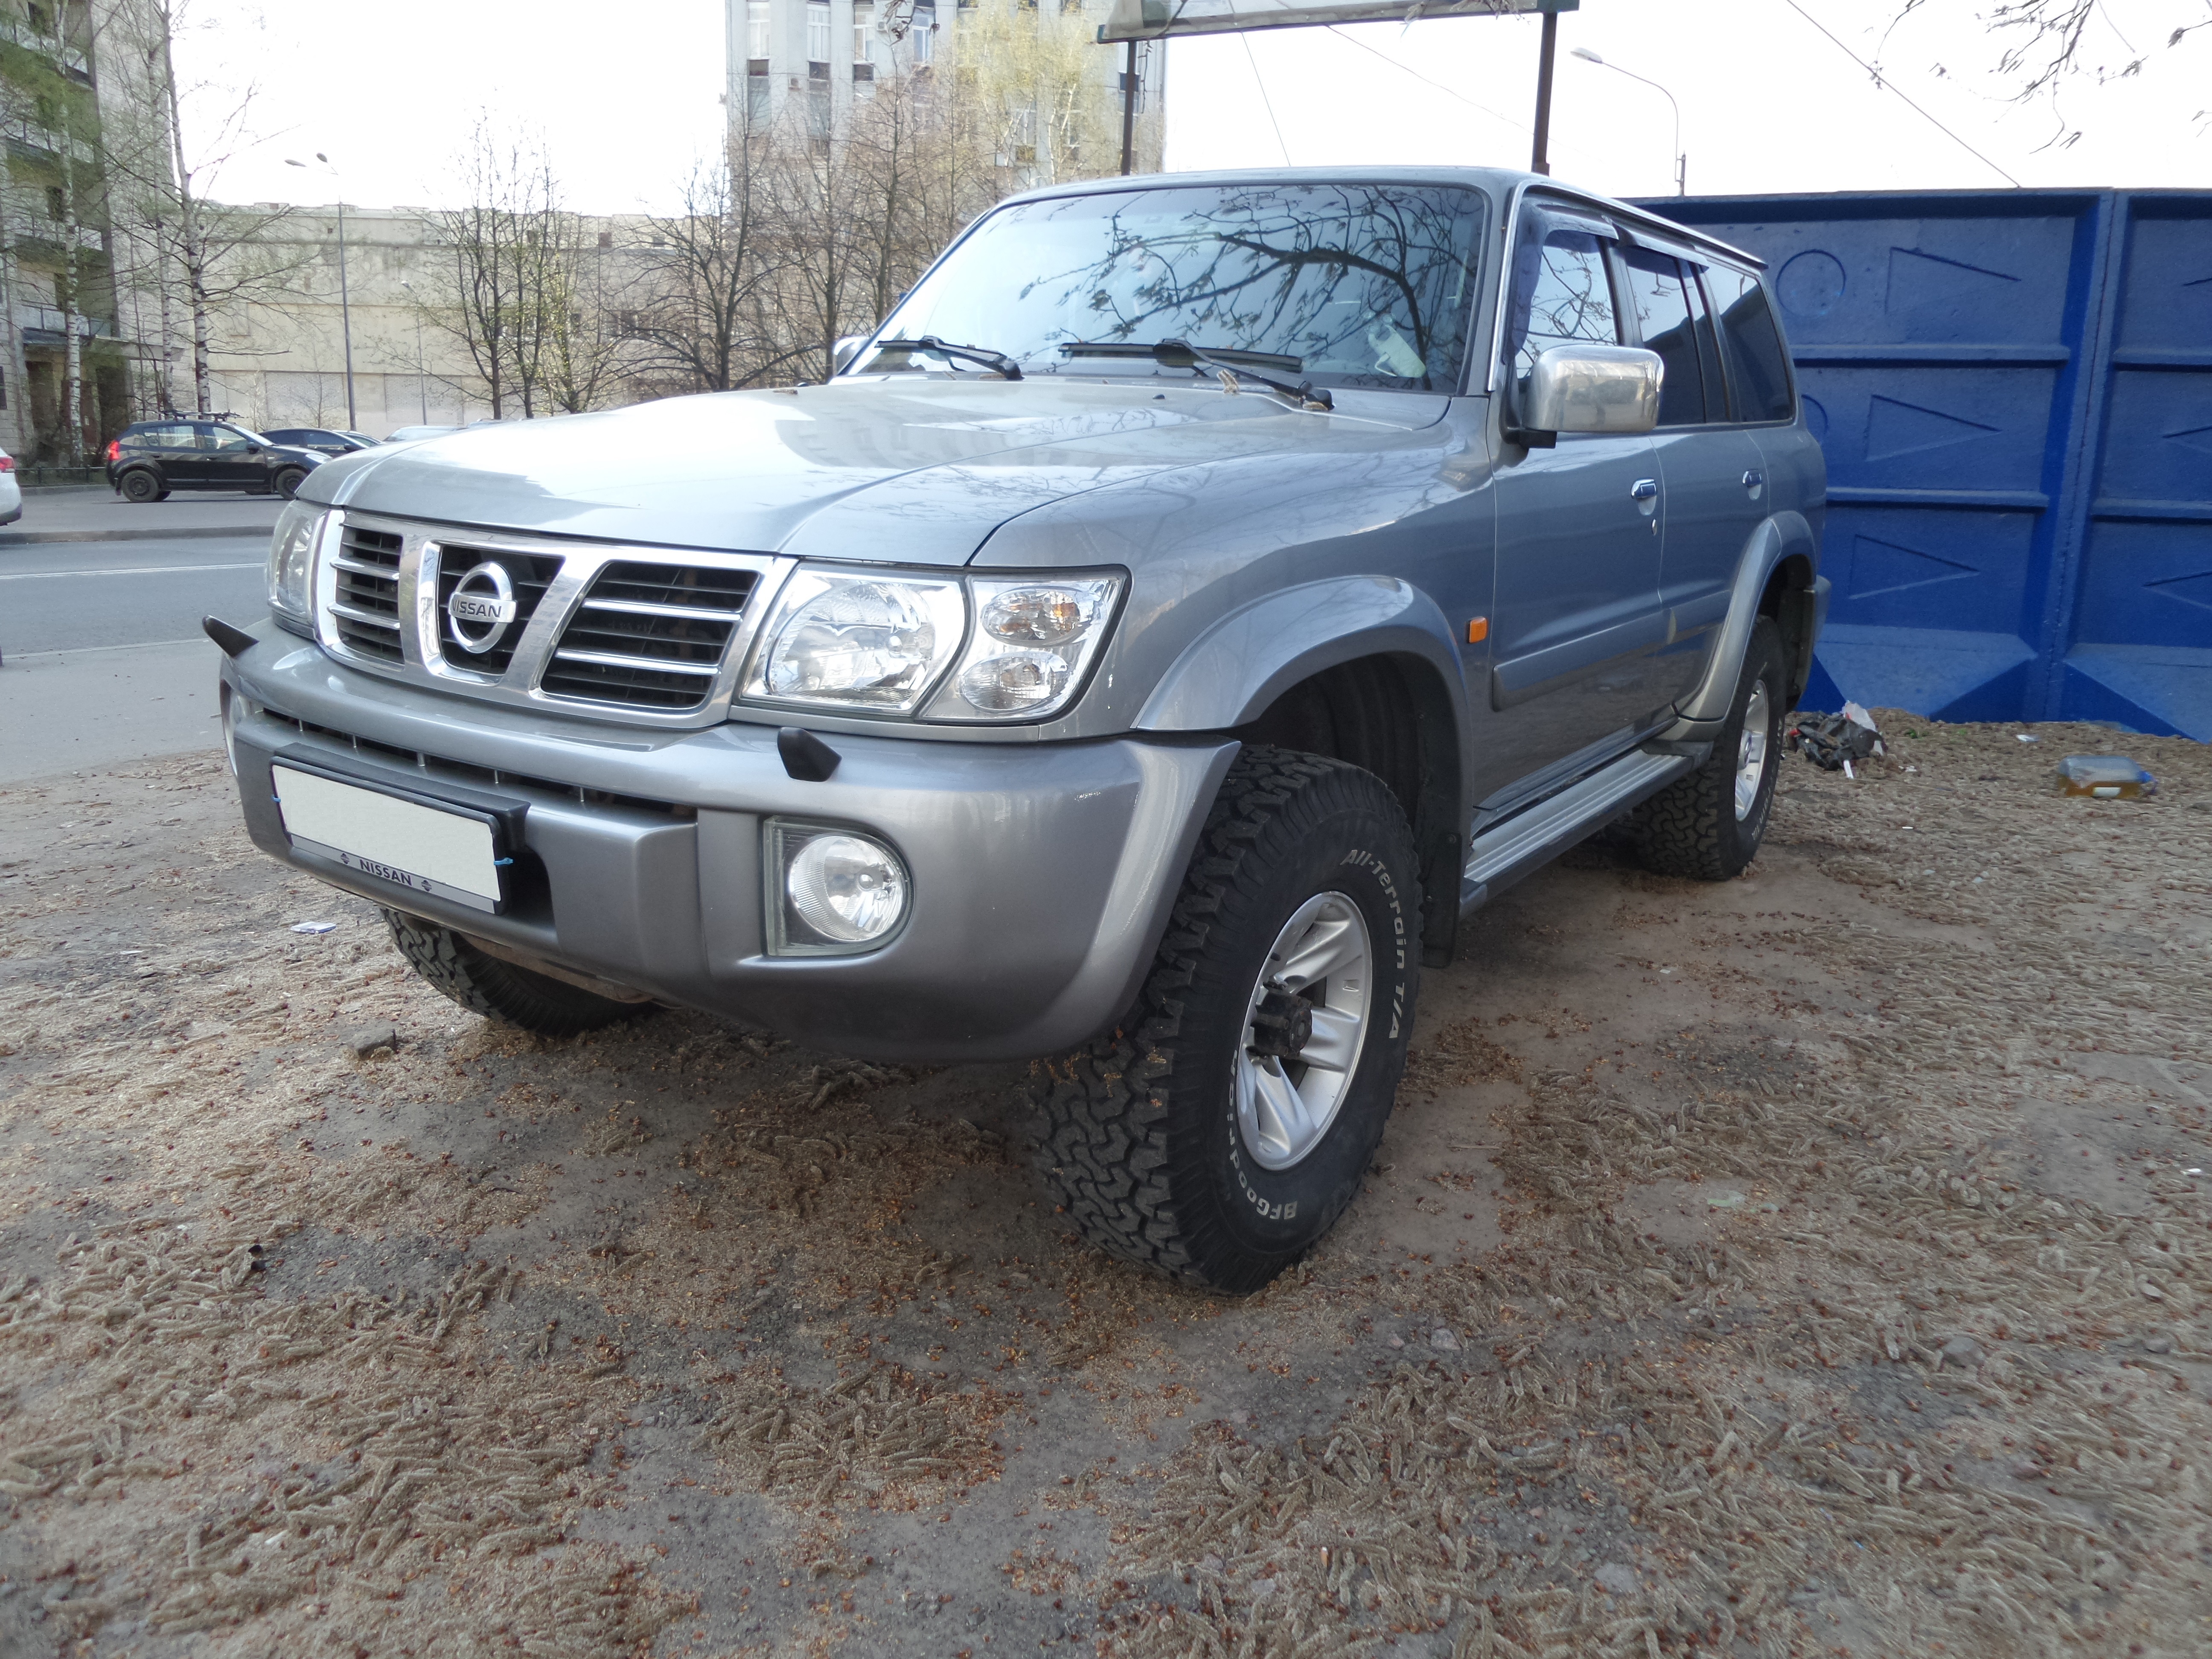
1198,597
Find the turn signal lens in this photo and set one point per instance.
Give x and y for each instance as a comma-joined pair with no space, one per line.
1014,680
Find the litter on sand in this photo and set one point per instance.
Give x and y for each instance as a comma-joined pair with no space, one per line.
2105,777
1832,741
314,927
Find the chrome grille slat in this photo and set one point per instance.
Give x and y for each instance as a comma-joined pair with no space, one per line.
616,659
630,608
375,618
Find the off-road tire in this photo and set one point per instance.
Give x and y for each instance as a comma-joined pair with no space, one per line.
289,480
500,990
1691,828
140,488
1137,1137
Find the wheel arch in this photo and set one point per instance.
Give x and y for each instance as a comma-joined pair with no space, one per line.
1362,670
1774,576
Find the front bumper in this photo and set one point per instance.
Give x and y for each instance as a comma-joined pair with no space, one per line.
1043,874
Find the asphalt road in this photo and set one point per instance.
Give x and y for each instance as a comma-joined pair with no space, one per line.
102,661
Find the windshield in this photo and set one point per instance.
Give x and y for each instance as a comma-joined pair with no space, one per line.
1363,285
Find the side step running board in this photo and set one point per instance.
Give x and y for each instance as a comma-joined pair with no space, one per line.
1501,856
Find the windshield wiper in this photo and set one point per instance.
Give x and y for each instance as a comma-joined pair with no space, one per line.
983,354
1236,364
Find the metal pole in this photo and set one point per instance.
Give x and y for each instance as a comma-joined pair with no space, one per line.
1540,161
346,319
1129,113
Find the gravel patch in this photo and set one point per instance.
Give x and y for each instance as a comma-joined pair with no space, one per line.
1816,1263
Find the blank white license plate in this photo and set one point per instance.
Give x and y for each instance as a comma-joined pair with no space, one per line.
446,855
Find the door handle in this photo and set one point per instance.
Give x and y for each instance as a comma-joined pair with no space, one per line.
1755,482
1645,489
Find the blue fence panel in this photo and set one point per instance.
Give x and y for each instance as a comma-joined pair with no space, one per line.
2014,391
2140,651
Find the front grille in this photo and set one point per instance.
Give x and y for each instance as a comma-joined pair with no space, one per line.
365,608
649,636
532,575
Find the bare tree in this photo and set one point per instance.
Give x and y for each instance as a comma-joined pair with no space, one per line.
218,258
510,280
581,356
2043,43
699,314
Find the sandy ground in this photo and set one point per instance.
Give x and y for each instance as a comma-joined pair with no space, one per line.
1812,1264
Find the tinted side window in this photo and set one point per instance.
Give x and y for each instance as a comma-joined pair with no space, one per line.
164,437
1660,303
1561,294
1757,377
229,438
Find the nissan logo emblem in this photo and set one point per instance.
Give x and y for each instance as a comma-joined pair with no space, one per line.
481,607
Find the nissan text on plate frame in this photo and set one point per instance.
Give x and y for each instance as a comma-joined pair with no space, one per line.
442,854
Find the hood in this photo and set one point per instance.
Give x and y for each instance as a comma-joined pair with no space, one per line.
903,469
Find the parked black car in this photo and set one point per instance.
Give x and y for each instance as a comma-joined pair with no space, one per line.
152,458
327,441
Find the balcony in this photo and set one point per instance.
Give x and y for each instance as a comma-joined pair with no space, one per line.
51,320
38,143
73,61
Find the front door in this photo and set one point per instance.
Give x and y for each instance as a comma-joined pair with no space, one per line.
235,460
1577,624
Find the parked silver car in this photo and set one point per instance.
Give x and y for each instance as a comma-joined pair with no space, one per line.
1196,599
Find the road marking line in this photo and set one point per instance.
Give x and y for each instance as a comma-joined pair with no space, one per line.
138,570
17,659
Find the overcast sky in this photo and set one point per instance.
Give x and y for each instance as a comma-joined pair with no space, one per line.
389,92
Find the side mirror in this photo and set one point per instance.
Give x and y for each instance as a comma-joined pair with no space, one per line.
847,348
1590,388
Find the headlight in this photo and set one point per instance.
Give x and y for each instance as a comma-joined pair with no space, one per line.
858,641
1033,643
831,892
291,565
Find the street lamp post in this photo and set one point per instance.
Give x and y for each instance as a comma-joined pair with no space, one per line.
421,381
1681,160
345,298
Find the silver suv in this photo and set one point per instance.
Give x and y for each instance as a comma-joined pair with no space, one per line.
1197,599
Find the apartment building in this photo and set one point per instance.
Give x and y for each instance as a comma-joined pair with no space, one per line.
71,105
1045,95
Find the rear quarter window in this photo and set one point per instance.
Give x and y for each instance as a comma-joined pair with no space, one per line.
1757,370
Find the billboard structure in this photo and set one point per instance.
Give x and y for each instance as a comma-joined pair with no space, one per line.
1131,21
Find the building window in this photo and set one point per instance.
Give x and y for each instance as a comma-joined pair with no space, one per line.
817,32
757,34
57,203
607,239
864,30
923,35
757,104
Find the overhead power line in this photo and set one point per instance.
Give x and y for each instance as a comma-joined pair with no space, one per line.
1883,81
1518,126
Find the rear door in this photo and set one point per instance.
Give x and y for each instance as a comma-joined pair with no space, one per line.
174,447
1575,623
1710,466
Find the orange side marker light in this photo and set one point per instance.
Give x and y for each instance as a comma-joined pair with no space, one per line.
1478,630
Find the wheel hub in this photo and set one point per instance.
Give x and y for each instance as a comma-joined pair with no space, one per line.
1282,1025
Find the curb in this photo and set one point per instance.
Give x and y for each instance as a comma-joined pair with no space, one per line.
37,537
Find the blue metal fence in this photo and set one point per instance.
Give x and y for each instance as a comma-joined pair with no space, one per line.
2014,391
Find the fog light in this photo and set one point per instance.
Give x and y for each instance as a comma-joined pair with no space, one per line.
840,891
